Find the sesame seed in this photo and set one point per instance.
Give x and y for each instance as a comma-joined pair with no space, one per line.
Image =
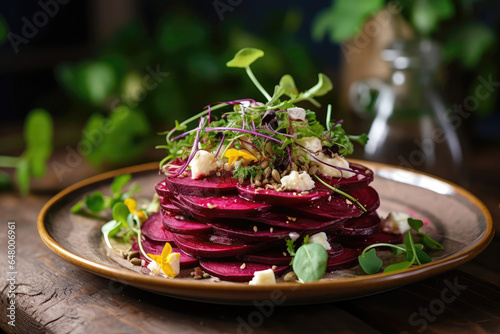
271,230
274,267
348,201
243,266
287,222
211,206
255,229
284,253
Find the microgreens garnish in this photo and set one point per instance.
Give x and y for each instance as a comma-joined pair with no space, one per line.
266,129
412,251
308,261
97,202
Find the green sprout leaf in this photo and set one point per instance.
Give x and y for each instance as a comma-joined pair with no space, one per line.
121,213
310,262
369,261
77,207
398,266
422,257
245,57
38,132
415,224
95,202
431,243
109,230
288,85
119,182
23,176
323,86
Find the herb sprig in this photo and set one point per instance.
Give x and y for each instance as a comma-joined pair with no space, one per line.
308,261
413,252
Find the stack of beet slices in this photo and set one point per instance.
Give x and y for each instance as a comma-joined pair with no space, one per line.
232,230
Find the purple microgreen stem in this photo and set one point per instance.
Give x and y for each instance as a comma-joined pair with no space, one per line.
220,145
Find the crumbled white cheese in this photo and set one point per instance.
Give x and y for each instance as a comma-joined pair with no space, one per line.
297,182
263,277
314,147
338,161
320,238
154,268
396,222
312,144
203,164
297,114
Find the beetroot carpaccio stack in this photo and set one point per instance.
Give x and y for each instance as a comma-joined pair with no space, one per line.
245,189
232,230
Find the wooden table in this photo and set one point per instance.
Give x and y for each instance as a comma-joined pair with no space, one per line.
56,296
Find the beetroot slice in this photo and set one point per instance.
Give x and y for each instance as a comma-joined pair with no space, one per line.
294,222
339,207
161,189
366,224
186,225
154,230
276,256
223,207
202,246
166,204
212,185
245,231
281,198
378,237
354,182
153,248
231,270
348,258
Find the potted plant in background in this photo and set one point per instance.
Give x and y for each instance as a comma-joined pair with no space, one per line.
392,51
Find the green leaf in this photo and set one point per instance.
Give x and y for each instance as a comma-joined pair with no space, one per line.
245,57
423,258
415,224
397,251
23,176
121,213
119,182
410,247
95,202
323,86
288,85
344,19
109,230
369,261
426,14
290,247
77,207
431,243
38,132
398,266
468,44
310,262
362,138
5,183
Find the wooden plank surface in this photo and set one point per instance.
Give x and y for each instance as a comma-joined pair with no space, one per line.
56,296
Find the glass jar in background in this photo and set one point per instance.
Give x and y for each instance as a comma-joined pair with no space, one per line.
409,119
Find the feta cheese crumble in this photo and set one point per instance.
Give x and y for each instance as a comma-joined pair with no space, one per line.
203,164
263,277
320,238
297,114
298,182
313,144
396,222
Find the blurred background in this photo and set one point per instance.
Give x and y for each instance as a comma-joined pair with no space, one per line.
86,85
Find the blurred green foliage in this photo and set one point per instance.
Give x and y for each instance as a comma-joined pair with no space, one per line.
172,72
38,133
4,30
463,38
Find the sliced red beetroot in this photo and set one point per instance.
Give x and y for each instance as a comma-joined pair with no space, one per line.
212,185
357,181
236,271
184,224
378,237
341,207
202,246
153,248
166,204
295,222
348,258
366,224
223,207
275,256
281,198
250,231
154,230
161,189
